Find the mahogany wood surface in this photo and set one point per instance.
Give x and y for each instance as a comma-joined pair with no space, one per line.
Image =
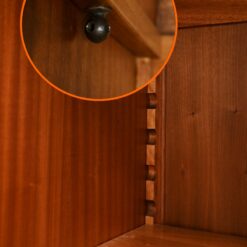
163,236
166,19
150,7
72,173
132,27
208,12
132,24
160,149
55,39
206,130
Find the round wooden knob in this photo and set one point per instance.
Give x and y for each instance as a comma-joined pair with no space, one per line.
97,27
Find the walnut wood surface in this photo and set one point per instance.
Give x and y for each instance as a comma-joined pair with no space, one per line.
163,236
207,12
206,130
71,173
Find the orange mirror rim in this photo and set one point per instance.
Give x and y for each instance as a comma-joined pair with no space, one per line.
105,99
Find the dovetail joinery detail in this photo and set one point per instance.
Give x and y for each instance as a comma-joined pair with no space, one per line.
150,173
151,154
151,136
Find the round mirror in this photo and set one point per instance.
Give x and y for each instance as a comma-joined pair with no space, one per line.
98,50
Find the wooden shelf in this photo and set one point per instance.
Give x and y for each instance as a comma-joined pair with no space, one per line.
164,236
131,26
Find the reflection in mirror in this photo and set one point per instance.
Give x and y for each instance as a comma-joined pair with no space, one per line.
133,39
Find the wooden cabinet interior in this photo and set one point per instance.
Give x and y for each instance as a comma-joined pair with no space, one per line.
206,130
72,173
53,33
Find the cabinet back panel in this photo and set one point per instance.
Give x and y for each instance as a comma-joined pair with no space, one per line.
206,130
71,172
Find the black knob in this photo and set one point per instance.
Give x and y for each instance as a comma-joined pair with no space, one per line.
97,27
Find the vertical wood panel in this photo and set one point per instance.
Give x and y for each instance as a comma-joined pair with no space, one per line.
161,149
72,173
206,130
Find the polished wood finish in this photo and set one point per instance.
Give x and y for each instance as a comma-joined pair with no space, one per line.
132,27
166,19
166,44
152,101
160,187
150,155
143,70
208,12
151,8
150,190
163,236
206,130
151,173
149,220
152,89
151,136
151,119
60,50
150,208
72,173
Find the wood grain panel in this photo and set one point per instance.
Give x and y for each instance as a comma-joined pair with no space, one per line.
160,236
54,36
207,12
206,130
131,25
150,7
71,173
161,149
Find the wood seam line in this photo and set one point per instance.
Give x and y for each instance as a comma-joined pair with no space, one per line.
151,154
